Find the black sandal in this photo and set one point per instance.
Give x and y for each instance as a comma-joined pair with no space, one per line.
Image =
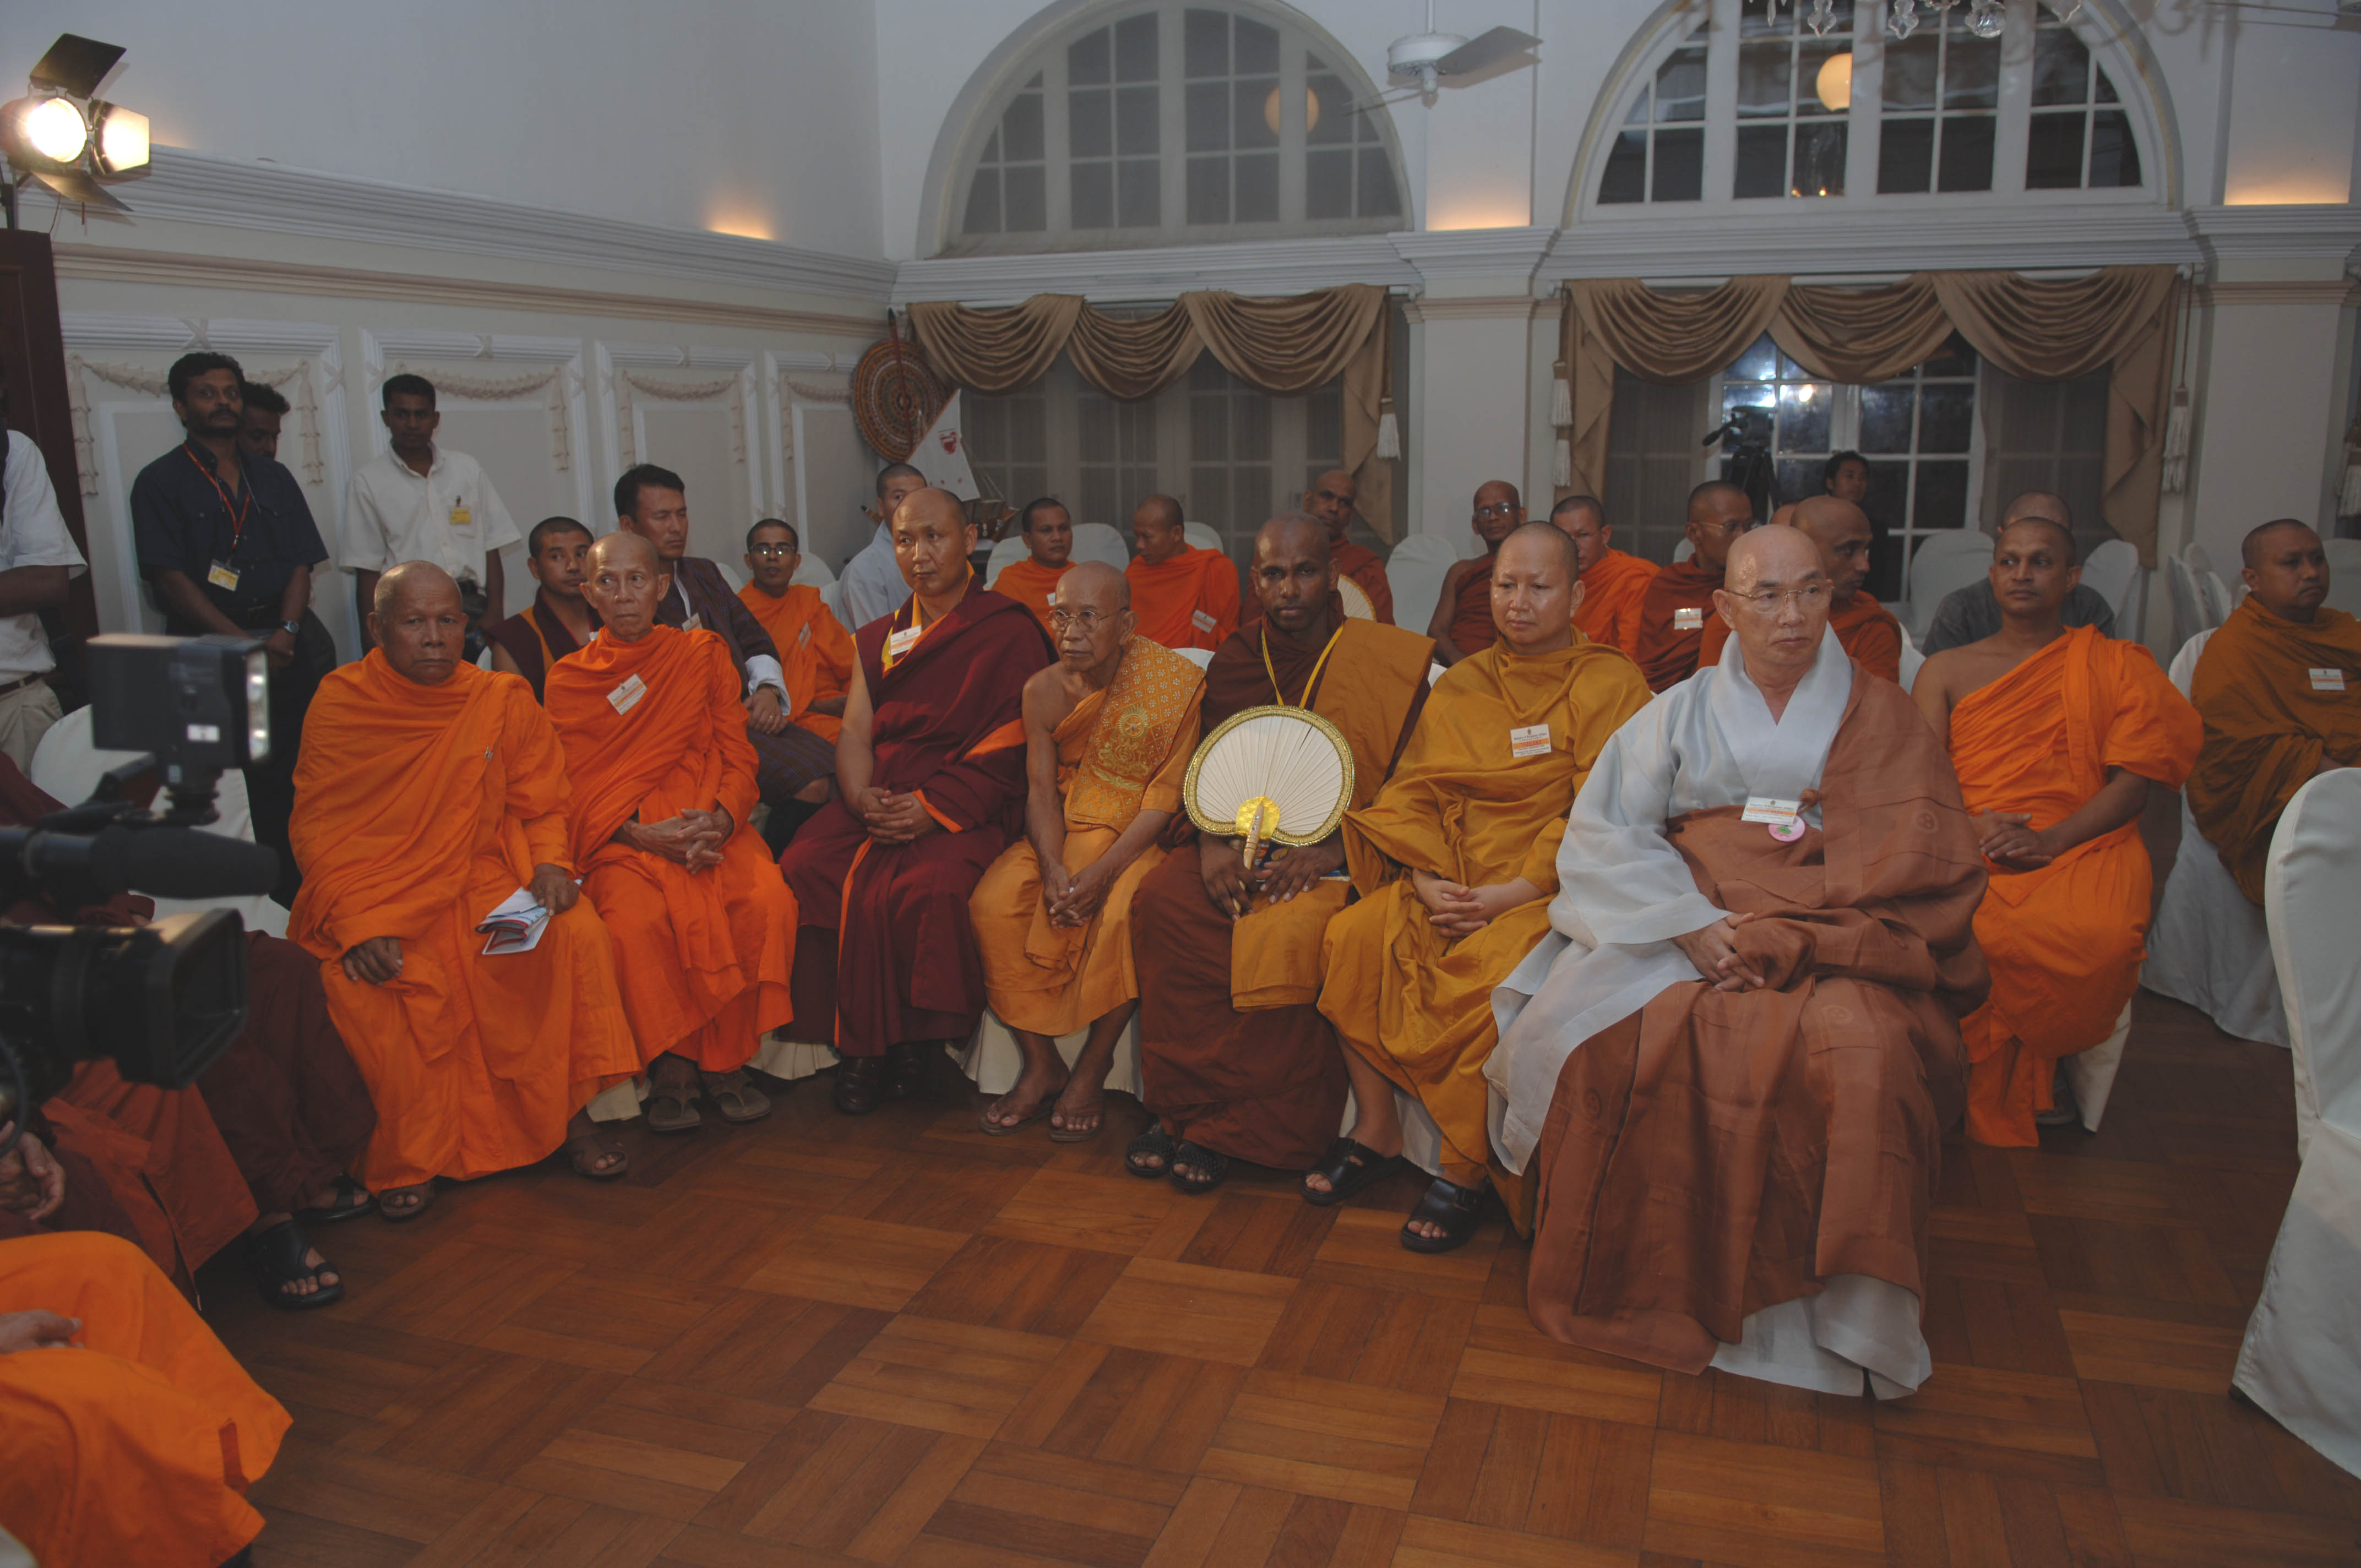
1214,1168
1154,1142
1458,1209
352,1199
276,1256
1351,1169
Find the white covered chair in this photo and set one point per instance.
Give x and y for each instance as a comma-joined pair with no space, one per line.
2216,596
2344,574
1005,554
831,593
1912,660
1944,562
2209,946
2180,594
1200,657
1201,535
1414,571
813,572
2114,571
1097,541
733,574
2301,1358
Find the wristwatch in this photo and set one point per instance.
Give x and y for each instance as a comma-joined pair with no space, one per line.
292,628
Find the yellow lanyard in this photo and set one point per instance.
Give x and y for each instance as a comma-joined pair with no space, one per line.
886,657
1310,683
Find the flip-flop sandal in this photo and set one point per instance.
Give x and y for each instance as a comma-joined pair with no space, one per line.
1212,1169
425,1192
1351,1169
583,1152
1155,1142
992,1129
276,1256
735,1097
668,1112
1069,1135
352,1199
1458,1209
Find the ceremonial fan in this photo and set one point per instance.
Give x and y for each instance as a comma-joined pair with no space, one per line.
1357,599
1270,774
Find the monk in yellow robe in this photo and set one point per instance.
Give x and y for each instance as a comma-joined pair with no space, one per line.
428,793
2279,687
655,733
1185,597
815,659
1462,623
1047,529
1456,862
127,1434
1108,732
1614,584
1679,605
2055,735
1866,628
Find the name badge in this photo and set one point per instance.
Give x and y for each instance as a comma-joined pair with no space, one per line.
803,636
461,516
1202,621
1689,620
2328,680
625,697
900,642
222,575
1784,818
1531,740
693,623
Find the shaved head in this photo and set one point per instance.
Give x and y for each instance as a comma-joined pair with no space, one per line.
1294,572
1774,596
1767,556
1841,531
624,550
412,576
1094,583
625,580
1156,530
2256,548
2287,569
2060,536
2040,504
418,623
1556,538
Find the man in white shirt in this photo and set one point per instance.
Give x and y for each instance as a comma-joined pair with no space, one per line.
37,559
421,502
871,585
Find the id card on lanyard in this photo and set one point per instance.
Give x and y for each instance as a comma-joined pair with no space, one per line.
222,573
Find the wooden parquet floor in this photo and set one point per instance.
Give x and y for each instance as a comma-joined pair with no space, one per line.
893,1341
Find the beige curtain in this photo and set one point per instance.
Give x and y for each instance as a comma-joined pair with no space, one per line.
1284,347
2120,317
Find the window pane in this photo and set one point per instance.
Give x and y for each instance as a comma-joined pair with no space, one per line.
1257,115
1757,364
1258,188
1091,189
1762,161
2053,152
1910,71
1258,48
1209,190
1680,85
2062,68
1795,478
1803,417
1971,71
1328,184
1889,491
1135,120
1810,59
1680,166
1139,193
1905,155
1627,170
2106,89
1029,200
1021,128
1208,117
984,204
1250,422
1328,111
1206,43
1090,126
2115,158
1135,50
1086,60
1942,498
1946,413
1886,417
1967,153
1763,79
1379,196
1819,160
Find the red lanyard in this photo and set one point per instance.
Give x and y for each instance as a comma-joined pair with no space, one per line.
237,518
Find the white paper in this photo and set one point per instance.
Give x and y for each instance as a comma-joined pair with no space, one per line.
520,905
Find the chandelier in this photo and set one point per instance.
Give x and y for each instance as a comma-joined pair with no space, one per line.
1986,19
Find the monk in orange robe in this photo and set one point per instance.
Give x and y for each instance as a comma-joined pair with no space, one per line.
1331,499
2055,735
127,1434
1678,605
1108,732
1235,1061
654,734
1462,623
2279,687
1456,862
1614,584
1866,628
815,659
1048,533
1185,597
430,793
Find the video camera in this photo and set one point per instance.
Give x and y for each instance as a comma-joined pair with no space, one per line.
1746,437
163,999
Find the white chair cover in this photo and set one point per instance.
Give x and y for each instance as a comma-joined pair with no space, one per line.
1097,541
1414,571
1200,657
1200,535
2197,560
1684,550
2344,574
2188,609
2301,1358
733,574
2209,946
2114,571
2216,598
831,593
813,572
1005,554
67,766
1912,660
1948,560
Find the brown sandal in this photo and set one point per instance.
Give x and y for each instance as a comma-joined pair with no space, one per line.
385,1202
584,1154
734,1095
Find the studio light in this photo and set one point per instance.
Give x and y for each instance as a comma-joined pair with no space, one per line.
122,138
52,129
64,139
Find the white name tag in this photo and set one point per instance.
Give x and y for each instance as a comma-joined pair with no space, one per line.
222,575
1532,740
1768,808
1202,621
2328,680
625,697
1690,619
693,623
803,637
900,642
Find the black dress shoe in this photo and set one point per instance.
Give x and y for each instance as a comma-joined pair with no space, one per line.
859,1080
905,1068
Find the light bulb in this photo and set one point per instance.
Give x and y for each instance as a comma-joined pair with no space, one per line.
1985,19
1310,110
54,128
122,139
1834,83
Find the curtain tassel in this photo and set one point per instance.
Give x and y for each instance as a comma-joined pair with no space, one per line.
1389,431
1561,401
2176,443
1562,464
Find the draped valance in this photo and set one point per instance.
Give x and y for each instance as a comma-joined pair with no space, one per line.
2037,329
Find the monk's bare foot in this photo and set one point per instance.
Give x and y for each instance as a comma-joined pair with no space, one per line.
1080,1109
1384,1142
1034,1089
286,1266
405,1202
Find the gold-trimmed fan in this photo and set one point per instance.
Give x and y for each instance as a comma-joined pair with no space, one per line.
1357,599
1271,773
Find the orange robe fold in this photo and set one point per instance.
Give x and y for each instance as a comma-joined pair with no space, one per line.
1472,631
1030,584
1612,592
2064,941
135,1444
1463,806
1121,751
652,728
1189,601
1667,650
1866,628
815,652
417,810
2270,721
1358,562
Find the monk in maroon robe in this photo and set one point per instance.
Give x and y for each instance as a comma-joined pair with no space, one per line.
930,788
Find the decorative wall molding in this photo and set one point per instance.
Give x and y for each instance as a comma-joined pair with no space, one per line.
1112,277
622,371
1475,253
1490,307
553,375
2278,233
2292,291
1804,243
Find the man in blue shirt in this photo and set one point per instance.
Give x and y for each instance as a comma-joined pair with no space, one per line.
227,540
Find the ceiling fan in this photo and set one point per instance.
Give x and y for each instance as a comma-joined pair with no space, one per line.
1429,57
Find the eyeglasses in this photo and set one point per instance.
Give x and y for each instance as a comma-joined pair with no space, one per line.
770,552
1501,508
1090,620
1746,525
1770,601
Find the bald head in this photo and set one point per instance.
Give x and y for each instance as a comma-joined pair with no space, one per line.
411,577
1719,512
1499,513
2286,569
1536,588
1775,597
418,623
1331,499
932,539
2040,504
1841,531
2285,532
625,583
2053,535
1769,556
1095,585
1156,530
1294,572
1090,617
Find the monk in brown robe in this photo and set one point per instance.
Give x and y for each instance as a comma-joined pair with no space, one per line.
2280,690
1614,584
559,620
1462,623
1108,731
931,789
1456,862
1742,1044
1235,1061
1679,600
1331,499
1866,628
1048,530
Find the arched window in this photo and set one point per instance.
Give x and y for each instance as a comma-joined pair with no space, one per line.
1754,105
1152,123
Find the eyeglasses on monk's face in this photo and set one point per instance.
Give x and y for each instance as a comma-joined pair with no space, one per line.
1770,601
770,552
1499,509
1729,529
1090,620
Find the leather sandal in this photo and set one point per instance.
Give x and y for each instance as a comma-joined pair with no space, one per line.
671,1105
276,1256
734,1095
1351,1169
585,1152
1458,1209
1154,1144
860,1082
1211,1168
352,1199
